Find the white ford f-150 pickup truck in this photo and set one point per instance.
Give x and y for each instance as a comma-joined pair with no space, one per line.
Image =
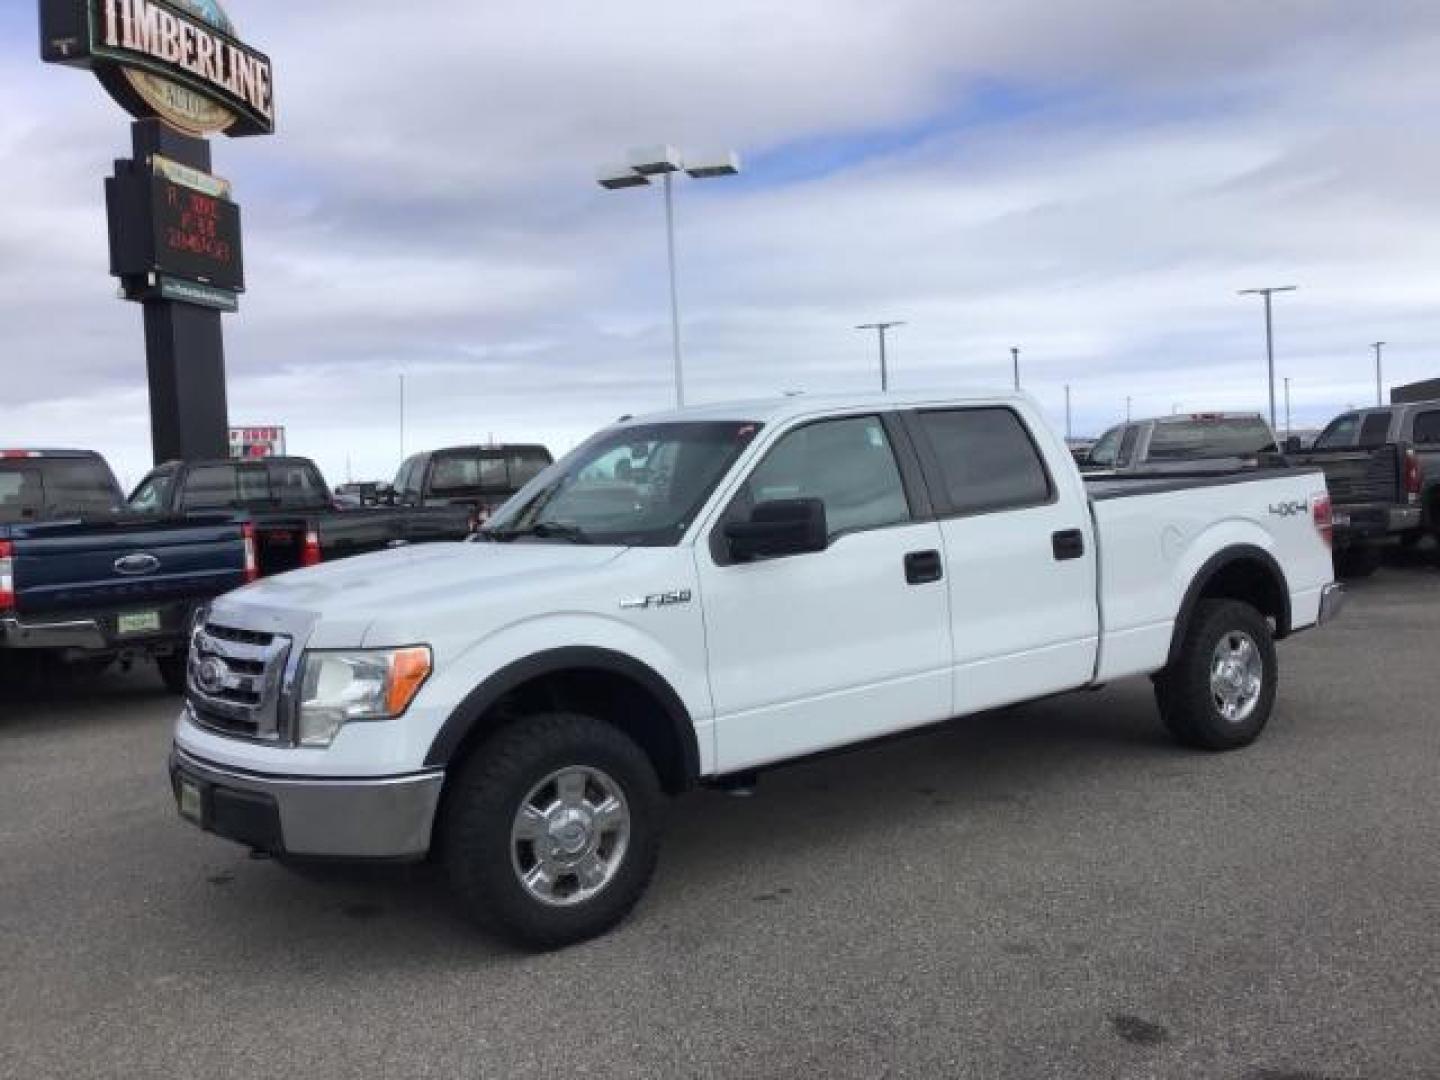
690,596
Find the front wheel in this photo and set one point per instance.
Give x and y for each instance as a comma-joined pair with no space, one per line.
1218,691
551,829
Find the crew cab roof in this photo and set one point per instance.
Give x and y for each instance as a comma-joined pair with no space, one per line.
42,452
773,410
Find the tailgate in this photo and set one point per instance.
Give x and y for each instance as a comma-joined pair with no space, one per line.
83,565
1358,476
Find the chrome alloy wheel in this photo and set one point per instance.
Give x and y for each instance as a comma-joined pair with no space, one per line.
569,836
1237,673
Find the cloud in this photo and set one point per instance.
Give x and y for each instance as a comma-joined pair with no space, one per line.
1091,182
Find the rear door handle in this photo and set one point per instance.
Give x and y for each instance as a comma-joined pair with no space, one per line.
923,566
1067,544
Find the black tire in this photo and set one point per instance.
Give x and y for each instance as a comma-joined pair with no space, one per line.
482,800
172,672
1357,562
1184,691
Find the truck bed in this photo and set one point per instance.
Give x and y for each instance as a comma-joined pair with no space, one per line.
1120,487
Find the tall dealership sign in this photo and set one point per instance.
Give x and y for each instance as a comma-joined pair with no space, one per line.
180,69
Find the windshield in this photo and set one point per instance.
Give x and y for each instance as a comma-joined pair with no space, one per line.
1205,438
638,486
1103,452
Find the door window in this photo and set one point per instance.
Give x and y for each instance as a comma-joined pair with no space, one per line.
1427,428
987,460
847,464
153,494
1341,432
1106,448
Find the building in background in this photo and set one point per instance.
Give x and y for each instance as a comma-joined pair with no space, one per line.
1425,390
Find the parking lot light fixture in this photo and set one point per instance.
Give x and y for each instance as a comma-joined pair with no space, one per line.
1377,346
665,162
880,329
1267,293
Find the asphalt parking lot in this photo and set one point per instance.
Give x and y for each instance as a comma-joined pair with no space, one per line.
1053,891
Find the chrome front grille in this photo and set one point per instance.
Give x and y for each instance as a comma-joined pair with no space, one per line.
235,681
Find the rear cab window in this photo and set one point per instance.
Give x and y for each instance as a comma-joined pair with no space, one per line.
37,489
208,487
1209,437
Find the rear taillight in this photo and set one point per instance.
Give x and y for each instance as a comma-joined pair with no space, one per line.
247,540
7,576
1324,517
1412,476
310,552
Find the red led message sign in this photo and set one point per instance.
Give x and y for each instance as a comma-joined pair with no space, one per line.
196,236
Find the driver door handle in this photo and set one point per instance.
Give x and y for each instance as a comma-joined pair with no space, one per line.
923,566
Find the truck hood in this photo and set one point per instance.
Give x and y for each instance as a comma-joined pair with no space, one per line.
365,588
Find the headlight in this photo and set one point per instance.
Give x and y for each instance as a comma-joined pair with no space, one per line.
357,684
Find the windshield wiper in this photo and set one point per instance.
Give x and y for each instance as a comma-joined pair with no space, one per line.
545,530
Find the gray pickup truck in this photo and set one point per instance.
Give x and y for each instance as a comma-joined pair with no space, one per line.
1382,466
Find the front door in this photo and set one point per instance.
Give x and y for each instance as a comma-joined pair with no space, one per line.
825,648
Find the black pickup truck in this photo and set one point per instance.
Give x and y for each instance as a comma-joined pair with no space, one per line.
1382,467
86,582
297,522
479,477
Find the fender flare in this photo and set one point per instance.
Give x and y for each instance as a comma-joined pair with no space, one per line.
1219,561
475,704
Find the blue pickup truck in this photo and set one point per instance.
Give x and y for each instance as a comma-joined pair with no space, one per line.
85,581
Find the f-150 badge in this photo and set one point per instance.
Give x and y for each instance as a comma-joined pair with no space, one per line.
659,599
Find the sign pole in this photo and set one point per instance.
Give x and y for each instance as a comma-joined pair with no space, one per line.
184,346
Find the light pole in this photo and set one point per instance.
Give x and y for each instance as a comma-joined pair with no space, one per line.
880,328
1377,346
1015,360
1269,336
664,161
1127,408
1287,406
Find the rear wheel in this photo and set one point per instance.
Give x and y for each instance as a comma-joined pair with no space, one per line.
1218,691
551,829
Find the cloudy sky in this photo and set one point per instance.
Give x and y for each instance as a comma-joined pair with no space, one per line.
1089,181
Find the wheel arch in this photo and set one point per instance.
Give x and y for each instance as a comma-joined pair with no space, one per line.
617,687
1240,572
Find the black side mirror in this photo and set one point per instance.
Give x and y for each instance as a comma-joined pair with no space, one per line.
779,527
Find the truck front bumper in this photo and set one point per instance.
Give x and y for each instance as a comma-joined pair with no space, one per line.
360,818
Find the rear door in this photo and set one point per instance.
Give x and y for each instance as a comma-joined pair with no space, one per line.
821,649
1020,568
